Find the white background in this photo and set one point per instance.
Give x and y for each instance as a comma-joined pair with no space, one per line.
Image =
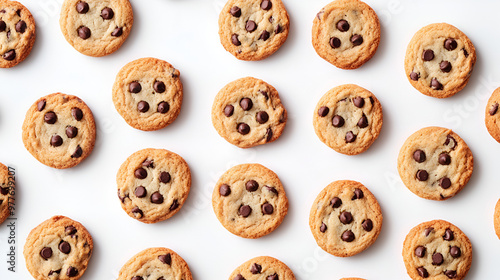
184,33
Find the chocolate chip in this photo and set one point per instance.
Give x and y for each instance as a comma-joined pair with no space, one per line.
450,44
422,272
134,87
235,11
448,235
278,29
228,110
246,104
363,122
71,131
64,247
166,259
267,209
422,175
437,259
367,225
174,205
78,152
163,107
83,32
245,211
255,268
140,191
445,183
117,32
358,101
264,35
3,26
72,271
148,163
250,26
107,13
444,159
50,117
283,117
273,277
323,111
356,40
140,173
338,121
445,66
451,273
243,128
4,191
138,211
77,113
239,277
137,278
420,251
224,190
159,86
54,272
435,84
428,231
345,217
56,141
323,227
450,141
343,25
347,236
21,26
251,185
82,7
428,55
358,194
266,5
419,156
266,96
414,76
465,53
157,198
335,42
164,177
46,253
493,109
143,106
455,252
9,55
336,202
235,40
41,105
262,117
350,137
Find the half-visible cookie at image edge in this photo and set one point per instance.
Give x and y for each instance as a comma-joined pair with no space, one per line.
260,268
496,219
492,115
7,190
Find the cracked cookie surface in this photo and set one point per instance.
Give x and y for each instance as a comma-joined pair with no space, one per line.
264,267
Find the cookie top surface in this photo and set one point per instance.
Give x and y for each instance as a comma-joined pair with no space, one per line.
248,112
348,119
253,29
59,130
155,264
264,267
435,163
439,60
345,218
249,200
492,115
496,218
7,188
437,250
96,27
58,249
153,184
346,33
17,33
148,93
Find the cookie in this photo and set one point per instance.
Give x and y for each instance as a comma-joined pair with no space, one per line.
7,190
148,93
249,200
497,218
492,116
345,218
437,250
58,248
352,279
59,130
253,29
435,163
248,112
17,33
439,60
348,119
155,263
262,268
346,33
153,184
96,27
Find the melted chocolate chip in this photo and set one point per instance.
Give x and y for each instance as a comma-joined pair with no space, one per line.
50,117
3,26
345,217
224,190
72,271
363,122
450,141
455,252
450,44
323,227
428,231
350,137
338,121
422,272
444,159
56,141
273,277
358,101
164,177
9,55
493,109
46,253
251,185
138,211
269,134
163,107
175,205
71,131
21,26
256,268
437,259
343,25
41,105
235,40
159,87
358,194
264,35
107,13
323,111
271,189
445,66
77,113
422,175
435,84
250,26
239,277
335,42
367,225
445,183
54,272
143,106
140,191
78,152
243,128
356,40
137,278
140,173
84,32
157,198
64,247
414,76
246,104
451,274
82,7
235,11
278,29
4,191
245,211
266,5
336,202
262,117
348,236
134,87
267,209
228,110
420,251
117,32
166,259
428,55
448,235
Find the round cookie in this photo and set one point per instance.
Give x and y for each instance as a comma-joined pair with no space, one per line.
437,250
439,60
348,119
249,200
58,248
345,218
248,112
492,115
96,27
346,33
17,33
153,184
253,29
435,163
263,267
155,263
496,218
7,190
148,93
59,130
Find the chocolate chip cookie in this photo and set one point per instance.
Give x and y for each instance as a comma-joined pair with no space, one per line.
7,190
96,27
157,264
492,115
348,119
437,250
59,130
153,184
496,218
17,33
345,218
248,112
346,33
249,200
264,267
148,93
253,29
439,60
435,163
59,248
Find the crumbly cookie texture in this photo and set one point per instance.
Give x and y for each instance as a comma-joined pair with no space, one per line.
153,185
348,119
253,29
248,112
345,218
7,190
496,218
439,60
346,33
492,115
155,263
17,33
249,200
59,130
263,267
437,250
96,27
148,93
435,163
58,249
